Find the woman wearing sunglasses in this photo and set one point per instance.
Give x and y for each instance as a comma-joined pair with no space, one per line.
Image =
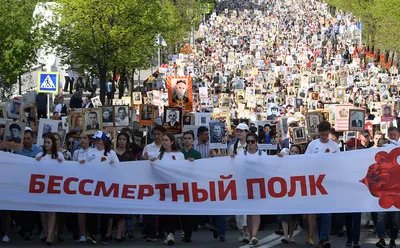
253,221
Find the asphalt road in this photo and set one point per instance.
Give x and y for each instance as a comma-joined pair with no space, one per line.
202,238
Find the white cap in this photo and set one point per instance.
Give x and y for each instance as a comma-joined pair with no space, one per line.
242,126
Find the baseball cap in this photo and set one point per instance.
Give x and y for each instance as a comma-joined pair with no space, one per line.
100,135
243,126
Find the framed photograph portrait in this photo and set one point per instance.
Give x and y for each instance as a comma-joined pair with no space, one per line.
299,135
107,115
13,136
267,135
28,116
117,102
96,102
158,121
47,126
75,120
92,120
339,94
356,120
217,135
14,109
386,113
121,115
187,119
146,116
137,98
173,120
202,119
180,92
126,100
313,120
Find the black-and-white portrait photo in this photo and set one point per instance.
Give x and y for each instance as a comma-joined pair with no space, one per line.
13,135
172,118
313,120
13,109
96,102
187,120
92,119
299,135
121,115
28,116
146,113
217,131
107,115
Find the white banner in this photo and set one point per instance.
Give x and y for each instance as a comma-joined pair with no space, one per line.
323,183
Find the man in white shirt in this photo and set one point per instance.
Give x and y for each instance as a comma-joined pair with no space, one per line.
323,145
151,150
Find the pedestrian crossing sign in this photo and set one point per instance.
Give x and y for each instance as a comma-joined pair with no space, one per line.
48,82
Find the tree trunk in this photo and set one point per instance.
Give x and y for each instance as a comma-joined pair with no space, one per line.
19,84
113,88
103,80
132,84
122,83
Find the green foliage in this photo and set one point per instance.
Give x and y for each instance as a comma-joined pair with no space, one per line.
100,36
380,20
19,41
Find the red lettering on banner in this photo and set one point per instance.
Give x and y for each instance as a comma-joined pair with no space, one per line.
101,186
52,184
36,187
230,176
162,188
213,196
271,187
67,184
82,184
230,188
314,185
145,190
199,195
126,190
261,185
184,192
303,185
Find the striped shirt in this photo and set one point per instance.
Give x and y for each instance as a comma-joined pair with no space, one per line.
204,149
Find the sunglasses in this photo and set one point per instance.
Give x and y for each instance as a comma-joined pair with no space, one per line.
251,141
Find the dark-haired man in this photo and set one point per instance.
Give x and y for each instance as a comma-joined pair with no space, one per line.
188,150
202,143
323,145
15,133
94,125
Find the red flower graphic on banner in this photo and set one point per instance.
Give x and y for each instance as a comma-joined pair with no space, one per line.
383,179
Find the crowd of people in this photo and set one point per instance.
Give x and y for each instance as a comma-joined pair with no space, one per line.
277,68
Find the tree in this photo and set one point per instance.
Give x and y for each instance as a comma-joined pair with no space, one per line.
19,42
102,35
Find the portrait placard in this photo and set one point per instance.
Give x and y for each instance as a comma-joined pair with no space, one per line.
47,126
121,115
146,115
313,120
75,120
387,113
28,116
96,102
217,135
13,136
92,119
357,120
137,98
173,120
299,135
202,119
267,135
107,115
180,92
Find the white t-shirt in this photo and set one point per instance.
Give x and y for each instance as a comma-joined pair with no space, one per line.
252,156
240,148
81,154
169,156
48,156
316,146
95,155
152,150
